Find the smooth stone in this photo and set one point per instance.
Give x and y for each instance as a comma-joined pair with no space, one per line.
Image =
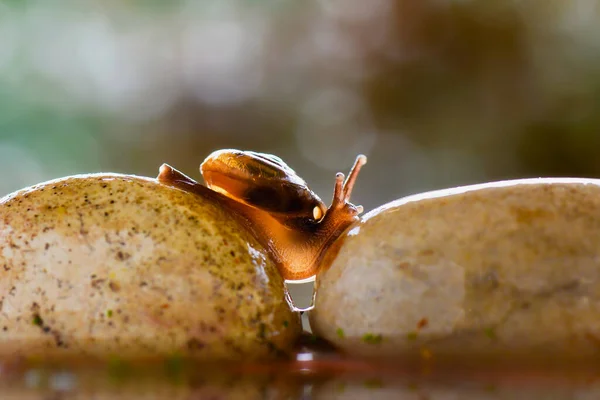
113,265
503,269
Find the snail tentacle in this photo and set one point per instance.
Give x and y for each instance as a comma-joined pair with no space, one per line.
361,160
343,189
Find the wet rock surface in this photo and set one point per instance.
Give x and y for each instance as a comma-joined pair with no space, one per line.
115,265
503,269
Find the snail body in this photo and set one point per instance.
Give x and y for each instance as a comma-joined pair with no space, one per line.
277,206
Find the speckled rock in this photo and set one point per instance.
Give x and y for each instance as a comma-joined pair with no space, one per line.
502,269
120,265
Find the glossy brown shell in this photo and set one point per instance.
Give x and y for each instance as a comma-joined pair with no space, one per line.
260,180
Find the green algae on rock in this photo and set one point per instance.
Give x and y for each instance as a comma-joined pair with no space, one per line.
108,264
506,268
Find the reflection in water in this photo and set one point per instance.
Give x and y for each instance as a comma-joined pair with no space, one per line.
312,375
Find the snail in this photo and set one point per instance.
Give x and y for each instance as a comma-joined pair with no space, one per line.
288,218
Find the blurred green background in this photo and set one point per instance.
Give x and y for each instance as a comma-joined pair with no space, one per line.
436,93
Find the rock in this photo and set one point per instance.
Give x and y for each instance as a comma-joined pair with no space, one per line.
116,265
502,269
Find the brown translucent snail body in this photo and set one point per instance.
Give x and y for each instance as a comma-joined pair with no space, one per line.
276,205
